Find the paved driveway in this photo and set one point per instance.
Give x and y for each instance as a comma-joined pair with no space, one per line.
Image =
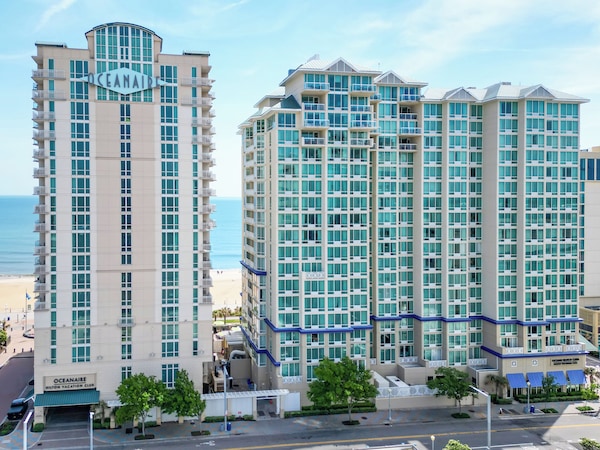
14,379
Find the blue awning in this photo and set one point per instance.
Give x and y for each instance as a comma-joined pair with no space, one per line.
535,378
559,377
576,376
516,380
68,398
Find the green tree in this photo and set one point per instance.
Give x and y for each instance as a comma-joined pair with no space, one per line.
589,393
452,383
549,388
183,399
343,383
138,394
456,445
499,381
3,337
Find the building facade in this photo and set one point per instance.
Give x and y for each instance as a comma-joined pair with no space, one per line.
123,149
410,228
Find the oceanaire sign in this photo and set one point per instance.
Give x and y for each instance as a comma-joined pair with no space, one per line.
124,81
69,382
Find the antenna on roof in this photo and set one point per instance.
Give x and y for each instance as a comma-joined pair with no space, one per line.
313,57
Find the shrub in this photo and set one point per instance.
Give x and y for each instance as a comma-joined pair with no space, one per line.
589,444
584,408
8,427
37,427
461,415
200,433
141,437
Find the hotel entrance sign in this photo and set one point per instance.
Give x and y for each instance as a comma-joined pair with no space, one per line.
124,81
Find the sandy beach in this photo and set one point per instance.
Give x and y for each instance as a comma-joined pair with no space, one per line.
227,285
12,295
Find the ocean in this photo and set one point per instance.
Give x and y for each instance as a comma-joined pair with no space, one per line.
17,238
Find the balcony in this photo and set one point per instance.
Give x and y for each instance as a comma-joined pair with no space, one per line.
207,159
207,192
409,130
204,102
436,364
39,153
38,95
41,74
316,86
204,140
554,348
39,190
361,108
407,116
40,209
316,123
313,106
208,175
512,350
40,227
40,306
207,209
201,122
40,135
40,116
365,88
477,362
40,269
39,287
366,124
573,348
375,98
361,142
407,146
39,250
208,225
197,81
313,141
410,97
207,282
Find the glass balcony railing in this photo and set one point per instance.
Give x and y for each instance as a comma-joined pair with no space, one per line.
316,86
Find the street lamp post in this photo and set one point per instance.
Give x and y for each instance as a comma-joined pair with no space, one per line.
389,406
25,422
528,407
432,442
489,415
91,430
225,378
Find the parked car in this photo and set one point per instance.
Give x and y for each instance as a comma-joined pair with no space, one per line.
18,408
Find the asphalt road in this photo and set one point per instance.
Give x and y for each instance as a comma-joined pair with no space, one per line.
536,432
14,379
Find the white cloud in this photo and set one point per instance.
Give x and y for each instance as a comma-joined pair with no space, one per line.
56,8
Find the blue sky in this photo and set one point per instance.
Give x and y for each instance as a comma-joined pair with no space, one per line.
253,43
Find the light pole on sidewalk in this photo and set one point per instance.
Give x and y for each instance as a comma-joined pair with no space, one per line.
528,407
389,406
489,415
25,423
91,430
432,442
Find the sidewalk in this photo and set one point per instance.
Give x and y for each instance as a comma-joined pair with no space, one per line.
271,427
19,343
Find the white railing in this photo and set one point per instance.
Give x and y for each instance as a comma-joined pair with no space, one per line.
48,73
420,390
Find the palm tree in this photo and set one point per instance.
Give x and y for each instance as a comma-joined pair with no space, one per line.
225,312
499,381
591,373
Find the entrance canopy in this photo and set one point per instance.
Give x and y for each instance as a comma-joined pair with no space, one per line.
68,398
